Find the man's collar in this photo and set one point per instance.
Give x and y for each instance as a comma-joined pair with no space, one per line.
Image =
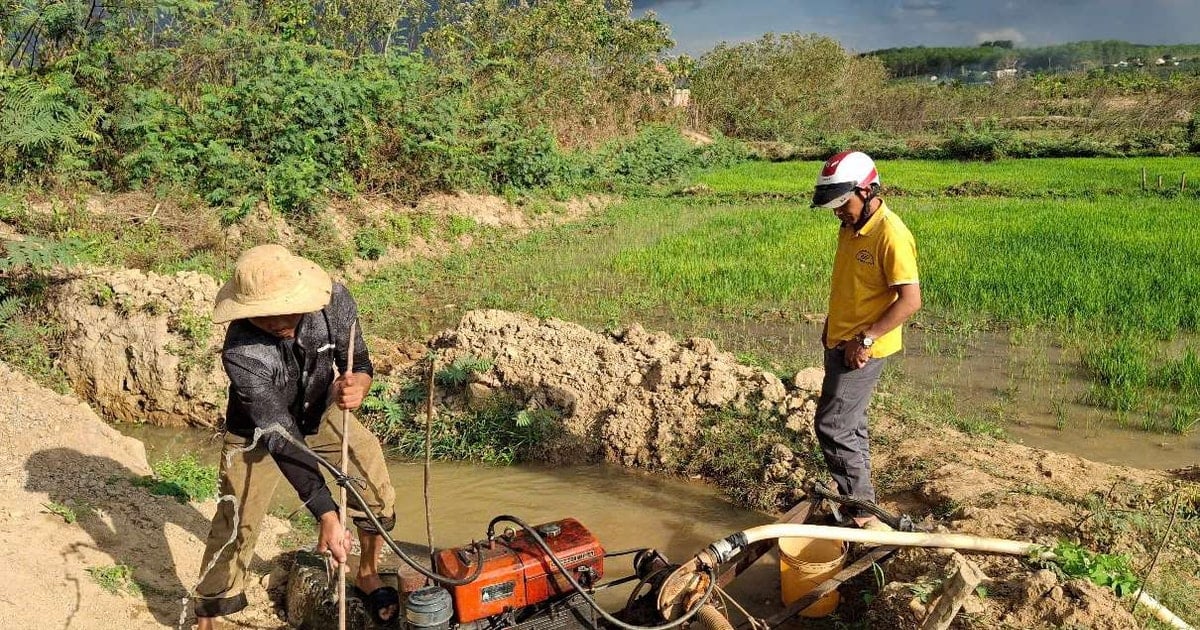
299,335
872,220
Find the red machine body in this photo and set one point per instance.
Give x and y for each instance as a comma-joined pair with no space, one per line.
517,573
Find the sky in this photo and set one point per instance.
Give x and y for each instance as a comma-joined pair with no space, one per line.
863,25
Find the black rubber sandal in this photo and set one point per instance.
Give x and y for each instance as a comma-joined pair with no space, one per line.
379,599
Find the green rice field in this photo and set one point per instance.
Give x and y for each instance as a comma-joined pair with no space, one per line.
1053,177
1109,278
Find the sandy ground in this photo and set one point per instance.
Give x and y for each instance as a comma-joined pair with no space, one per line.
55,449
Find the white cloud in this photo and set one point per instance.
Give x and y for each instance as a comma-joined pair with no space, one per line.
1000,34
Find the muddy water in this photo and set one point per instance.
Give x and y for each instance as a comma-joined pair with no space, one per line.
1025,384
1035,390
624,509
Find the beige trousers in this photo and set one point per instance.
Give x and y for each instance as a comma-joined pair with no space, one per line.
252,476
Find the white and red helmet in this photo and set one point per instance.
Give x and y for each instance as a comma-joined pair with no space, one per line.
841,176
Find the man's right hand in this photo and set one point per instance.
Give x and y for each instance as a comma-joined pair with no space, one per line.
333,538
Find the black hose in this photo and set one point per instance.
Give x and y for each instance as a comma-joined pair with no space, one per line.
347,482
537,538
893,521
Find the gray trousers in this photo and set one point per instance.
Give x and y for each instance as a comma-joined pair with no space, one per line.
841,424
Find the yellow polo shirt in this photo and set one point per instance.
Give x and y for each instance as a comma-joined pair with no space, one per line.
867,268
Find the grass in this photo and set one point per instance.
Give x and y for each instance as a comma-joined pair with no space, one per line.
65,511
1097,275
496,431
303,528
1049,177
116,579
184,478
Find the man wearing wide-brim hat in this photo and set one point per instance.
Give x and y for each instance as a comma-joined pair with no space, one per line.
289,326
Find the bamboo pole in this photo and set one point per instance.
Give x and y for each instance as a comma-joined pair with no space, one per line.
345,465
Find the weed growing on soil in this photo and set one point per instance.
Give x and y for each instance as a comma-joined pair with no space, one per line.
460,370
184,478
62,510
740,446
116,579
1113,571
303,528
26,340
499,431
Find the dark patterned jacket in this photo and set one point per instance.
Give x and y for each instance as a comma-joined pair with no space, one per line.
287,383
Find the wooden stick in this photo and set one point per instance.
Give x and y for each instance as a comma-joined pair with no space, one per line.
1160,181
345,466
1183,181
429,457
954,592
1143,178
1161,545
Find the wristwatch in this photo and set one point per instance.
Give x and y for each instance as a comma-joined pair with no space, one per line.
865,341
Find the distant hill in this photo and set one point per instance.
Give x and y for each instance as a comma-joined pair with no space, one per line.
1085,55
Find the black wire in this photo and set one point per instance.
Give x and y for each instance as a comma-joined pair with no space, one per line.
617,582
624,552
891,519
537,538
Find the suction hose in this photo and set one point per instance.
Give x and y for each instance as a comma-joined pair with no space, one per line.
726,548
347,482
709,618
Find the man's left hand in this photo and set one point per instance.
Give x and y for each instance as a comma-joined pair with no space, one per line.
350,389
855,355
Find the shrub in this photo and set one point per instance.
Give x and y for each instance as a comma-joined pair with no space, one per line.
370,244
986,141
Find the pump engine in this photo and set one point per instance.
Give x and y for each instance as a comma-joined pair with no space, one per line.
518,585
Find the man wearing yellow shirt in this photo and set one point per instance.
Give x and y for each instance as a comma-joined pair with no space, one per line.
874,289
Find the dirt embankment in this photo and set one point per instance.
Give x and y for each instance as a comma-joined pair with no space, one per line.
631,397
141,347
55,452
138,346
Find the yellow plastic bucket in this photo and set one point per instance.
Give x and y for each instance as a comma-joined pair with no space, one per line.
804,563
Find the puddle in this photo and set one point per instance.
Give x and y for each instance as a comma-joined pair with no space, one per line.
1032,390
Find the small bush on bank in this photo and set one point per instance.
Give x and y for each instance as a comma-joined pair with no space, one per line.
184,478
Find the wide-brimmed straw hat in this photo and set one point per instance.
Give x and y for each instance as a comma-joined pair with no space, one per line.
269,280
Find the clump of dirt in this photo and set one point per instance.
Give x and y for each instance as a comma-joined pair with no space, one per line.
56,453
142,347
630,396
974,188
1012,595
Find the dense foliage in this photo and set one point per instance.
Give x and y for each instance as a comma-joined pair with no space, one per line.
290,103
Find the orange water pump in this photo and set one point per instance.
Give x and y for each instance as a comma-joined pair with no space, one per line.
517,573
